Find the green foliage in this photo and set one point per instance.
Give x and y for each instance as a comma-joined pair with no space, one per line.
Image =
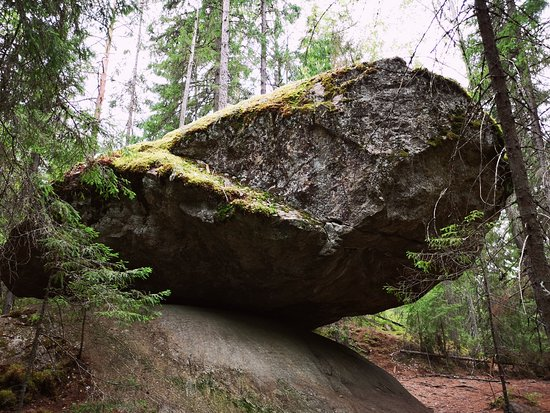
516,53
441,321
45,382
453,250
225,211
223,395
42,382
8,399
338,332
318,56
325,45
89,273
97,407
452,318
43,130
172,35
12,376
532,398
104,180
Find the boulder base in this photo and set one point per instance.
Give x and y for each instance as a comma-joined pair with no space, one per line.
293,371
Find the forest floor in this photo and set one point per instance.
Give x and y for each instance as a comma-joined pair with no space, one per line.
448,387
442,386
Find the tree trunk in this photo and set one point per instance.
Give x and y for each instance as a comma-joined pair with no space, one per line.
132,105
496,344
537,139
534,248
8,299
536,135
278,72
103,71
223,84
263,51
216,68
189,73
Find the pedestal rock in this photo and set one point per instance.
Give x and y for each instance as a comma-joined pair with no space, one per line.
301,204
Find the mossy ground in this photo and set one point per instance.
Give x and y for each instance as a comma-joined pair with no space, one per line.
44,382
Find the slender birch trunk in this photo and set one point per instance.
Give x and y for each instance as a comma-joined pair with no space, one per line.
132,105
223,84
263,47
189,73
103,71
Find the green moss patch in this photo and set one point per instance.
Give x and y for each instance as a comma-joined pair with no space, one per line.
460,125
323,90
154,158
8,399
44,382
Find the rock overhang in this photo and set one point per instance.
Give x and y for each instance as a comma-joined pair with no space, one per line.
302,204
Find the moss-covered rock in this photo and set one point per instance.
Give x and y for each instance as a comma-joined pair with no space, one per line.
300,204
156,160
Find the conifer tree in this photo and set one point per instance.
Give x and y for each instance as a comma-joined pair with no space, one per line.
534,243
172,37
326,45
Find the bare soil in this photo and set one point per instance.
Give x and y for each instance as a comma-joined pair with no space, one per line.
449,387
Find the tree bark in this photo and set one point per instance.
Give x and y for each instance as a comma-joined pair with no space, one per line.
263,49
496,343
223,84
536,135
534,248
103,71
216,69
8,299
190,63
132,105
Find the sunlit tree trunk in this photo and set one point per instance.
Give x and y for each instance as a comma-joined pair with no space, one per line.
534,243
103,71
263,51
223,84
132,105
189,72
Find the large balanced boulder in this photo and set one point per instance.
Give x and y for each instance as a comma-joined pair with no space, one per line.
301,204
